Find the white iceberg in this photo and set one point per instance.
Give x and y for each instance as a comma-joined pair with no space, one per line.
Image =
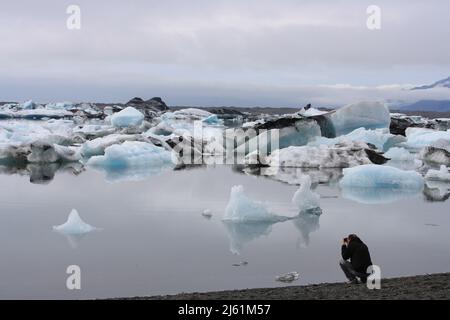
128,117
380,138
438,175
375,176
399,154
74,225
133,160
417,138
304,198
341,155
243,209
435,155
97,146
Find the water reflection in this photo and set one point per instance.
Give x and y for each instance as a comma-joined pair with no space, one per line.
42,173
377,195
241,233
306,223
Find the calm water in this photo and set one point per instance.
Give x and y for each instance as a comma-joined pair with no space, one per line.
154,239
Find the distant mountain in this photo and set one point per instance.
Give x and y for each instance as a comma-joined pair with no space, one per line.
444,83
428,105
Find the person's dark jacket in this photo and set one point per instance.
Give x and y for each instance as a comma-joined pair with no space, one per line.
358,253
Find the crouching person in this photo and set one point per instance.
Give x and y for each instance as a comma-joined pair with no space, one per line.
356,251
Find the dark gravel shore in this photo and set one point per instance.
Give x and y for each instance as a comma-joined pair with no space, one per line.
434,286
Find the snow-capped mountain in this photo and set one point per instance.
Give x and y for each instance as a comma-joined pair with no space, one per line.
444,83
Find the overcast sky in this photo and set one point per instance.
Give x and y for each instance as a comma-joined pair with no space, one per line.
212,52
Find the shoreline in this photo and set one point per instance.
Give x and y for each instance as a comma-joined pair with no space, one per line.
429,286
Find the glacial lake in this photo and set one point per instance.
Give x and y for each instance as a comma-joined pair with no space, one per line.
154,239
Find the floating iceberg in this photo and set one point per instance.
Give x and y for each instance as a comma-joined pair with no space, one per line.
132,153
435,155
97,146
133,160
128,117
399,154
380,138
243,209
438,175
340,155
304,198
375,176
369,115
74,225
436,191
418,138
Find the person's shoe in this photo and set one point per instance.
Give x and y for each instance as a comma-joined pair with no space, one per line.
354,281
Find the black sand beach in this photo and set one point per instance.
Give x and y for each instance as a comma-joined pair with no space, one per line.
434,286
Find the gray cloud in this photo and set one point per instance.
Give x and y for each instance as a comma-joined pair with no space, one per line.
221,52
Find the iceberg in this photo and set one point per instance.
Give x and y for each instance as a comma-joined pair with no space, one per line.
304,198
436,191
133,160
380,138
128,117
97,146
399,154
243,209
340,155
435,155
74,225
417,138
369,115
375,176
438,175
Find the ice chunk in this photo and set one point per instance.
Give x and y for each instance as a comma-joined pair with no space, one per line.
74,225
418,138
97,146
41,113
288,277
241,208
380,138
304,198
133,160
128,117
311,112
341,155
207,213
435,155
212,120
436,190
375,176
192,114
438,175
369,115
399,154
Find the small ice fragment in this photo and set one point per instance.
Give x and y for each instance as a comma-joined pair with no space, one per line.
207,213
288,277
242,263
438,175
304,198
74,225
